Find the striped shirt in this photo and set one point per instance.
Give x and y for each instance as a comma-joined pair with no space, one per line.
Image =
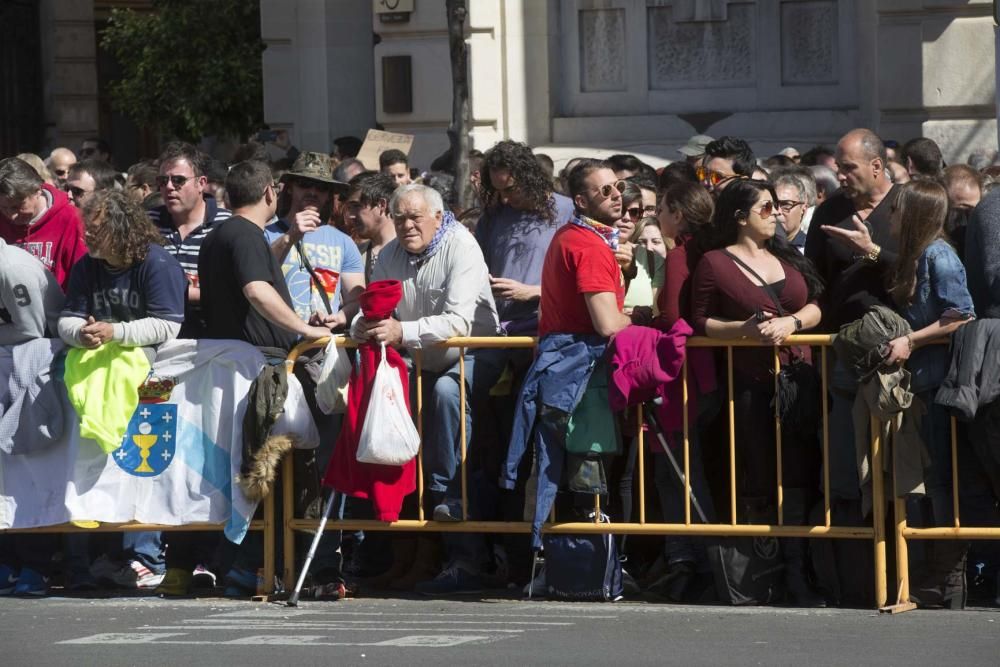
186,252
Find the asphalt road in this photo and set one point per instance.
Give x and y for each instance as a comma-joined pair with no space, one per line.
148,631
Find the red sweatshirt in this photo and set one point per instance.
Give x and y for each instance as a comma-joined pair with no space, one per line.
56,239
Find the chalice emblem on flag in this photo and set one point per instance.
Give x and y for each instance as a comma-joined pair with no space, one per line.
149,443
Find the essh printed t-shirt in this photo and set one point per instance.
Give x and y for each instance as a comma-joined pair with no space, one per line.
331,253
578,262
154,287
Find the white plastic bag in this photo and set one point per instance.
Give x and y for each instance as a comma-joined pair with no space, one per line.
334,376
388,436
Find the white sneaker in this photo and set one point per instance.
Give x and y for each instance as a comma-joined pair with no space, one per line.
136,575
202,577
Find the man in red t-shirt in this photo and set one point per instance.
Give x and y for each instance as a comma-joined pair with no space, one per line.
37,217
583,290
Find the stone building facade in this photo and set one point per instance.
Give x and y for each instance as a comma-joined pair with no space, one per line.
642,75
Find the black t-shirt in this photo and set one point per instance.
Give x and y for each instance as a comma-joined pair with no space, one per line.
231,257
852,285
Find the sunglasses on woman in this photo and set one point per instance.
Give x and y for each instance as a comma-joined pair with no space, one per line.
633,212
765,210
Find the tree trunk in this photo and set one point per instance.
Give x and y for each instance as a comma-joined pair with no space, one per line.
461,116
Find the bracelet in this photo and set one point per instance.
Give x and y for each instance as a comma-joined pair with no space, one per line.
873,254
909,341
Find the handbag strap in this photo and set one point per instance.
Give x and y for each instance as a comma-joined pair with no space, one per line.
763,283
312,274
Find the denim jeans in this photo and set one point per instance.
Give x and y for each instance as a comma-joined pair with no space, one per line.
147,549
442,446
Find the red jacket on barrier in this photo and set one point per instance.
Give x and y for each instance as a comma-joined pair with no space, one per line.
385,486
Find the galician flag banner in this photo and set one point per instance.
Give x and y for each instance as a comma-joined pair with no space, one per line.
178,461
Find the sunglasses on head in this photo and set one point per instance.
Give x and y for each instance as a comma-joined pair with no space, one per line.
176,179
608,188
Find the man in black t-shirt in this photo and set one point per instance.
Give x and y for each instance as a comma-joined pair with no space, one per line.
850,244
243,292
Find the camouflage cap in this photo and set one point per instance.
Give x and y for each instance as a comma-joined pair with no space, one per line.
314,166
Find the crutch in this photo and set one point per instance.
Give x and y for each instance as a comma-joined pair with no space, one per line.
293,601
654,424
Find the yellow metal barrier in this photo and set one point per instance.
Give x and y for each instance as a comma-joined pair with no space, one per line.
876,532
266,525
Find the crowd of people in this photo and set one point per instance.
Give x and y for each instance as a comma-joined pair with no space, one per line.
720,243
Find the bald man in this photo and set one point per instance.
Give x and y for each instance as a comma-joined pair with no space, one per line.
59,162
850,244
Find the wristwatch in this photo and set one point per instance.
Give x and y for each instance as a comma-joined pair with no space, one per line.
872,255
798,323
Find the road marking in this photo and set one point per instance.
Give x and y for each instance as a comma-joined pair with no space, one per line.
326,626
409,641
123,638
411,622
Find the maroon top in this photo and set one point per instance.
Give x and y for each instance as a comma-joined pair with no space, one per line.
721,290
674,301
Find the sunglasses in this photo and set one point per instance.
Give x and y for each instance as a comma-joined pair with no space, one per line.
76,192
60,172
712,177
308,183
633,212
765,210
84,152
176,179
787,205
608,188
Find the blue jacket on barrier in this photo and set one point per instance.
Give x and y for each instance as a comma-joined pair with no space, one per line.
551,391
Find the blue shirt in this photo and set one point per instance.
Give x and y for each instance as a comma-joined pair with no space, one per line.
155,287
940,286
514,243
331,252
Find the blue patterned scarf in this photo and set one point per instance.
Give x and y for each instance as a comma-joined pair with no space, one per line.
448,224
608,234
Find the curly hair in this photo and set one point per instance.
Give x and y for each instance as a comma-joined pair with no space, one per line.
533,184
118,225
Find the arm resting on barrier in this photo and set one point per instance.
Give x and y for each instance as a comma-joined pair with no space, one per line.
266,301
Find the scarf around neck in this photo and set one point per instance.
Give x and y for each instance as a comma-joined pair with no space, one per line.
608,234
448,224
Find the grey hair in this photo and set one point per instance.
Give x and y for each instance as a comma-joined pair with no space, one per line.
802,182
826,179
430,196
18,179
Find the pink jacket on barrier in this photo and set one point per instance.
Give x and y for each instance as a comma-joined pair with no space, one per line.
645,364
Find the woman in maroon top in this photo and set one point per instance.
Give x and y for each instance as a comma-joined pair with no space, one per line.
685,215
729,301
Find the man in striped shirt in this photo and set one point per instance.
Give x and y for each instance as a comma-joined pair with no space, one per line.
187,216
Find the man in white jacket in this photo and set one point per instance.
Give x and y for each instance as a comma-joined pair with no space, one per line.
446,293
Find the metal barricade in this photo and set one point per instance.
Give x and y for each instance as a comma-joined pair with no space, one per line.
876,533
265,524
903,532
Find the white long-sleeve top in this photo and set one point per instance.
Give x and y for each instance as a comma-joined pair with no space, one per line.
445,296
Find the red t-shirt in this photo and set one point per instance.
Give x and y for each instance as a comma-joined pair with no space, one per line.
578,261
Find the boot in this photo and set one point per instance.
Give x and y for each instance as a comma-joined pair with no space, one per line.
797,589
426,564
941,583
404,549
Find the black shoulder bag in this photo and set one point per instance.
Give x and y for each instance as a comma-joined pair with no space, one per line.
798,396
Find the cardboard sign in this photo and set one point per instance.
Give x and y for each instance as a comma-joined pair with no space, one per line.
377,141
